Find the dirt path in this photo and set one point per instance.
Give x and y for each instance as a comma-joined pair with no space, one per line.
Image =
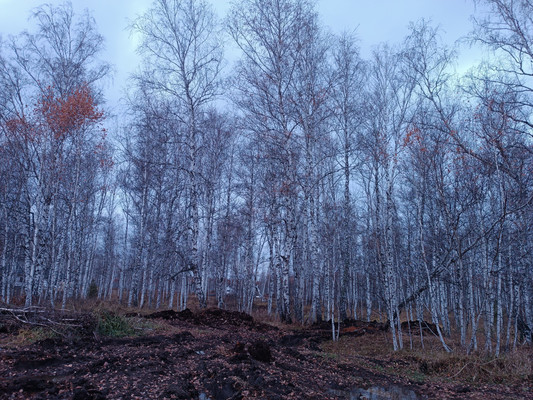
214,354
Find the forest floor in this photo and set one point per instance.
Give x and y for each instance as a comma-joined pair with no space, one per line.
217,354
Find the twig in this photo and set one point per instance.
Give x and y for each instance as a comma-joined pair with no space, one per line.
461,370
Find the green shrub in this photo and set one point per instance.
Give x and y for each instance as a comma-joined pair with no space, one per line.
111,324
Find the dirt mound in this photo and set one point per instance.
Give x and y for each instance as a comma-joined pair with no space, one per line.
259,350
218,317
359,328
212,317
170,315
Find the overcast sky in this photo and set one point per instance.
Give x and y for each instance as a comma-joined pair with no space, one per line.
374,21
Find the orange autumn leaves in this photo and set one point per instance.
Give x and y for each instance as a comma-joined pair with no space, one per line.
58,116
71,113
413,137
56,120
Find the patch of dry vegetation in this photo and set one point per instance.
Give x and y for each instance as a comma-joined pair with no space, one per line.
432,363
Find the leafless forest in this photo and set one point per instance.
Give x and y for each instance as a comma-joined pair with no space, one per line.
326,184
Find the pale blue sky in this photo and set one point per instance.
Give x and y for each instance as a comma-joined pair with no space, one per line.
375,20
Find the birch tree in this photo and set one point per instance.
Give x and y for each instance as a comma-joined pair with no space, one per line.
390,91
52,117
347,102
183,55
268,32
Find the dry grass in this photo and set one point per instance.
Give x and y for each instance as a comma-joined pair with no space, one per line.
432,362
508,368
26,336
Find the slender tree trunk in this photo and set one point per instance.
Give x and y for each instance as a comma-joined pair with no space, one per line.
4,282
499,308
69,255
432,294
472,310
345,272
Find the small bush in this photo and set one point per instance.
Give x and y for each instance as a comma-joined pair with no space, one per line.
111,324
92,292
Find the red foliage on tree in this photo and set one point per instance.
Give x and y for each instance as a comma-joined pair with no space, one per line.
57,116
69,114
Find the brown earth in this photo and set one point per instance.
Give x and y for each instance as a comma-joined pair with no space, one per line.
212,354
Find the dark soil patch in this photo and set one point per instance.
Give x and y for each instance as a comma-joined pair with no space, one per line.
170,315
260,351
25,363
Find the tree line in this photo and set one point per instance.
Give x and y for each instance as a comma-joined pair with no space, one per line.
327,184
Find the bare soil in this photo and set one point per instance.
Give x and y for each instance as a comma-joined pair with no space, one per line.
213,354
